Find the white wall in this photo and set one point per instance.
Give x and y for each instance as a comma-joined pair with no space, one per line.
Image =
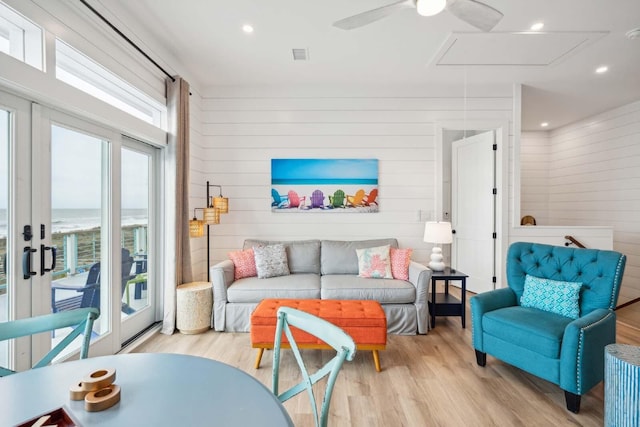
244,128
534,176
594,180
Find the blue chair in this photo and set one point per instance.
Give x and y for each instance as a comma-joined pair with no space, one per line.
535,334
90,292
279,201
80,319
325,331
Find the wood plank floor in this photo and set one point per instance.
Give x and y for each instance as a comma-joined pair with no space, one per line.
429,380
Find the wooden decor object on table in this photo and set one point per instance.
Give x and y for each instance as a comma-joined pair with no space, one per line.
194,304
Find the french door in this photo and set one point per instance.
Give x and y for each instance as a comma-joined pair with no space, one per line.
87,195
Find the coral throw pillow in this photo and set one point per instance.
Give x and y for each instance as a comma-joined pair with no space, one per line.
374,262
400,259
244,263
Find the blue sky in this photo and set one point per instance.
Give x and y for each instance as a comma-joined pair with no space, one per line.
324,168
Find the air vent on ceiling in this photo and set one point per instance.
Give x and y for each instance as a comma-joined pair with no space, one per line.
300,54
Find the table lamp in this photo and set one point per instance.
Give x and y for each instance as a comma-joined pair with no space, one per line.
438,233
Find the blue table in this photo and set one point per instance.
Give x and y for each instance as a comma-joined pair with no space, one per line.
156,390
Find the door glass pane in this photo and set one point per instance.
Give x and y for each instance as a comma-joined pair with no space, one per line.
135,220
78,224
4,204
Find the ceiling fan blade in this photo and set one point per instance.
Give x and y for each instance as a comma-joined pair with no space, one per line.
373,15
480,15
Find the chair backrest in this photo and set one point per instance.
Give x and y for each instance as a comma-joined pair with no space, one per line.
276,197
81,320
91,294
294,199
325,331
371,197
600,271
338,199
317,199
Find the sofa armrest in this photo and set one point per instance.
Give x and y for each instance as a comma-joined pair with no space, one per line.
484,303
419,276
222,276
582,354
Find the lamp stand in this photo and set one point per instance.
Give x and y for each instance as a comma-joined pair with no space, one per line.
436,263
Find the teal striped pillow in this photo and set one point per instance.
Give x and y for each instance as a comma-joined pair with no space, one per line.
552,295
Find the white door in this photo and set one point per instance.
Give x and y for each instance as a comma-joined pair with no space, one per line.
473,210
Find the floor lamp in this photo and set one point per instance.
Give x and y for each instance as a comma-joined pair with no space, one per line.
215,205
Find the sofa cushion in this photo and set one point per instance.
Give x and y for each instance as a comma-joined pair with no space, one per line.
553,296
303,256
244,263
352,287
339,257
271,261
530,328
253,289
400,260
374,262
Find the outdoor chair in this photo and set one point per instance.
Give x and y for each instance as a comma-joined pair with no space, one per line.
370,199
337,200
295,201
323,330
90,292
317,199
279,201
356,199
81,320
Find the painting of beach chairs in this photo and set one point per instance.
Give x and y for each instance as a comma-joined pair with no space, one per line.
324,185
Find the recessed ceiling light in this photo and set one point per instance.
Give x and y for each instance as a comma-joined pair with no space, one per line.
544,124
247,28
602,69
537,26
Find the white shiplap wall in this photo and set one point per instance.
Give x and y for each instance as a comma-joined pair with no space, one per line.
594,179
242,132
534,176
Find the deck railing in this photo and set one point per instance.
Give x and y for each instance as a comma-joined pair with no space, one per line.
79,250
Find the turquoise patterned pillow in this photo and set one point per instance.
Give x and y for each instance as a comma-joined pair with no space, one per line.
552,295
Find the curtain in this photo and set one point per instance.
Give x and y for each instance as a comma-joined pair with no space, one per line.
177,196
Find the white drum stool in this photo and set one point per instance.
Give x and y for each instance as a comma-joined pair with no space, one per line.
194,304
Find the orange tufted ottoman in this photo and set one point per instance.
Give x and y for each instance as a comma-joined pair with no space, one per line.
364,321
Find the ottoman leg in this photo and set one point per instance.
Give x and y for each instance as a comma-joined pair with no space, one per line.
376,360
259,357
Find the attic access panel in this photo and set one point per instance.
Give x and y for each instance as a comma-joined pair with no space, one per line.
515,49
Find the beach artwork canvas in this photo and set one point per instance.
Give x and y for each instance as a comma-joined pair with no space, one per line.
324,185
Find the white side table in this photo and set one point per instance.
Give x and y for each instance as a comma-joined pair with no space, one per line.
194,304
621,385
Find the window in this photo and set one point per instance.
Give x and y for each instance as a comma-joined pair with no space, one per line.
81,72
20,37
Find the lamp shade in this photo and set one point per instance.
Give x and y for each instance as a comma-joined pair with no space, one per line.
211,215
221,204
196,228
438,232
430,7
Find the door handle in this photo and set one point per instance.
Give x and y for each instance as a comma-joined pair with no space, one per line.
54,252
26,263
453,231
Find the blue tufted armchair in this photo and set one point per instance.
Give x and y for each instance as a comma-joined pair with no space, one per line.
568,352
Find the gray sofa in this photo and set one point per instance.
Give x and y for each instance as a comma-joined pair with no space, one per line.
326,269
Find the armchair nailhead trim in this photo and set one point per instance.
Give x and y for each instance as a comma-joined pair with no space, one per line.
616,279
580,348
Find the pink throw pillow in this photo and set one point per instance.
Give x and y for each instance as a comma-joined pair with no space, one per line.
400,259
244,263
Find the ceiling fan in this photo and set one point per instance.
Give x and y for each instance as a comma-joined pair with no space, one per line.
480,15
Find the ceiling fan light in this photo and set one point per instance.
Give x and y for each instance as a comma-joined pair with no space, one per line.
430,7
